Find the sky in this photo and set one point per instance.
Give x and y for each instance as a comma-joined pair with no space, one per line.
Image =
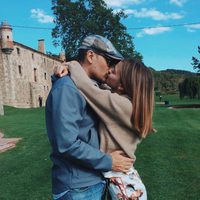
165,32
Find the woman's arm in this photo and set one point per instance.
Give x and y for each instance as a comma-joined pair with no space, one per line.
106,104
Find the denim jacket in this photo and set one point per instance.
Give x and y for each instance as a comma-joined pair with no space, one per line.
72,131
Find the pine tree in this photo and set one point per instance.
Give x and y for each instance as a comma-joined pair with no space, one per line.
196,62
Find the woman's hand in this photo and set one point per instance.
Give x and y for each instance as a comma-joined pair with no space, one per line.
61,70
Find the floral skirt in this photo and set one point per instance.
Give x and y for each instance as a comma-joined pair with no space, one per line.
126,186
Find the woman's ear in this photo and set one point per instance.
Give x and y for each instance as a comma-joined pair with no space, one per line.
120,89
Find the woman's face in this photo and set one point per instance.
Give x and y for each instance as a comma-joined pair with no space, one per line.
113,79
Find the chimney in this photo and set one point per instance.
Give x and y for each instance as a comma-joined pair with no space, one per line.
41,47
62,56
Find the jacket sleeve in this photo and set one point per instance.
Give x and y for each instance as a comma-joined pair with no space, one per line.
65,111
106,104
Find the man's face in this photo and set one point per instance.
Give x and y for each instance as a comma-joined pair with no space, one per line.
99,68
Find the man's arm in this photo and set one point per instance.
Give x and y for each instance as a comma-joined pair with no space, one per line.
64,108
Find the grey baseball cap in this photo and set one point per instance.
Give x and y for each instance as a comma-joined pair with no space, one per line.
102,45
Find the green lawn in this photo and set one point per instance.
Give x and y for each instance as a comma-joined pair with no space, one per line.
25,170
168,161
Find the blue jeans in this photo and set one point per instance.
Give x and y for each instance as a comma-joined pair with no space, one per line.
94,192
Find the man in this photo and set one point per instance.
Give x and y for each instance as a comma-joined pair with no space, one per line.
72,129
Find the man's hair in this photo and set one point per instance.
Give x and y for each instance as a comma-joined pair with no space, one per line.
82,54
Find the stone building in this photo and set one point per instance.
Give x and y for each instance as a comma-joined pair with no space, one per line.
24,72
1,103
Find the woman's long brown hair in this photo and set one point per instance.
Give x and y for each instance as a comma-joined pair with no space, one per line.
137,82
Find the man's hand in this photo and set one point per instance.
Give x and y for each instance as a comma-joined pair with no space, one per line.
120,162
61,70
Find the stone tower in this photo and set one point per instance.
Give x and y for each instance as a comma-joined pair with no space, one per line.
6,73
6,46
6,38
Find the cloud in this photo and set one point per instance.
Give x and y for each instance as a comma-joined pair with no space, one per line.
119,3
41,16
153,13
193,27
153,31
178,2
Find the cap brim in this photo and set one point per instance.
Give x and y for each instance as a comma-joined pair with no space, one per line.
114,57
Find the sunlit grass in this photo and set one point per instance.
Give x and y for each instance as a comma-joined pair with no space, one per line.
168,161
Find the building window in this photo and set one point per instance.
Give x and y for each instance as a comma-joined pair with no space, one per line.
18,51
45,76
32,56
8,37
35,74
20,70
47,88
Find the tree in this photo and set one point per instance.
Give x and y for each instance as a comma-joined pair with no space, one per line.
196,62
166,82
76,19
190,87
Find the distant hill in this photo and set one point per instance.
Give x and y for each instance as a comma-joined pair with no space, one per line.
167,81
177,71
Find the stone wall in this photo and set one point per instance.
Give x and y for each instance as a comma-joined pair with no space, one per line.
1,104
24,75
1,85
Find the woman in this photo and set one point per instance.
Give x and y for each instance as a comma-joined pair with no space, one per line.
126,114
